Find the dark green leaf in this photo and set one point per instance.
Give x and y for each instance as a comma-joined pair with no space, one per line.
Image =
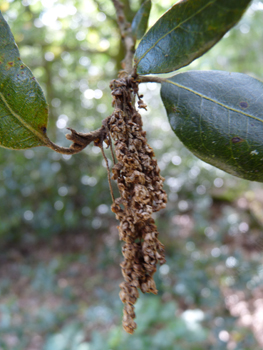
23,108
185,32
219,117
140,21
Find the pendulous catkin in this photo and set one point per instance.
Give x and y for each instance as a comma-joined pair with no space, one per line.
141,194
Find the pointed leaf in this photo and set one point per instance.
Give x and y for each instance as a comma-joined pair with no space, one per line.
140,21
185,32
23,108
219,117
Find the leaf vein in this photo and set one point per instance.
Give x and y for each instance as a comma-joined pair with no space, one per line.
178,26
214,101
26,125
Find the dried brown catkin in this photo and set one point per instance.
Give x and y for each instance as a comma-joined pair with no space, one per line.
141,194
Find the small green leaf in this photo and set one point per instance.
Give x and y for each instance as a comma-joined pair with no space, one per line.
23,108
218,116
185,32
140,21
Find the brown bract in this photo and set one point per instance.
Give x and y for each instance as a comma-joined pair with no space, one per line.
141,194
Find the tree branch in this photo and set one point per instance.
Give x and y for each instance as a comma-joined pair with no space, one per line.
127,37
81,140
150,79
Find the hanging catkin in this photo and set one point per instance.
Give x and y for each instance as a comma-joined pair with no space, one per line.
141,194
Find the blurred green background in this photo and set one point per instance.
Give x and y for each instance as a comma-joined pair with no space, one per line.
59,246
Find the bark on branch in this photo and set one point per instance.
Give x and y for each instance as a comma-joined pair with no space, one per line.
126,34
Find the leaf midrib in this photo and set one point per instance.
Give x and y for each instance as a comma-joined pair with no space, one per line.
146,52
19,118
214,101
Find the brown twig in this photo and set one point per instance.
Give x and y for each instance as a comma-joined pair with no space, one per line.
126,34
121,19
80,140
150,79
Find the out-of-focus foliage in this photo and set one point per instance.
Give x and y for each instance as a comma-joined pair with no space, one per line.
59,255
67,46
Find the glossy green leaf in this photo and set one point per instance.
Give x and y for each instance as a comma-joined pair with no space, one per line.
185,32
23,108
140,21
219,117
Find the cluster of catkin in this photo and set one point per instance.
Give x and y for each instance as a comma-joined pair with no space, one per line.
141,194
